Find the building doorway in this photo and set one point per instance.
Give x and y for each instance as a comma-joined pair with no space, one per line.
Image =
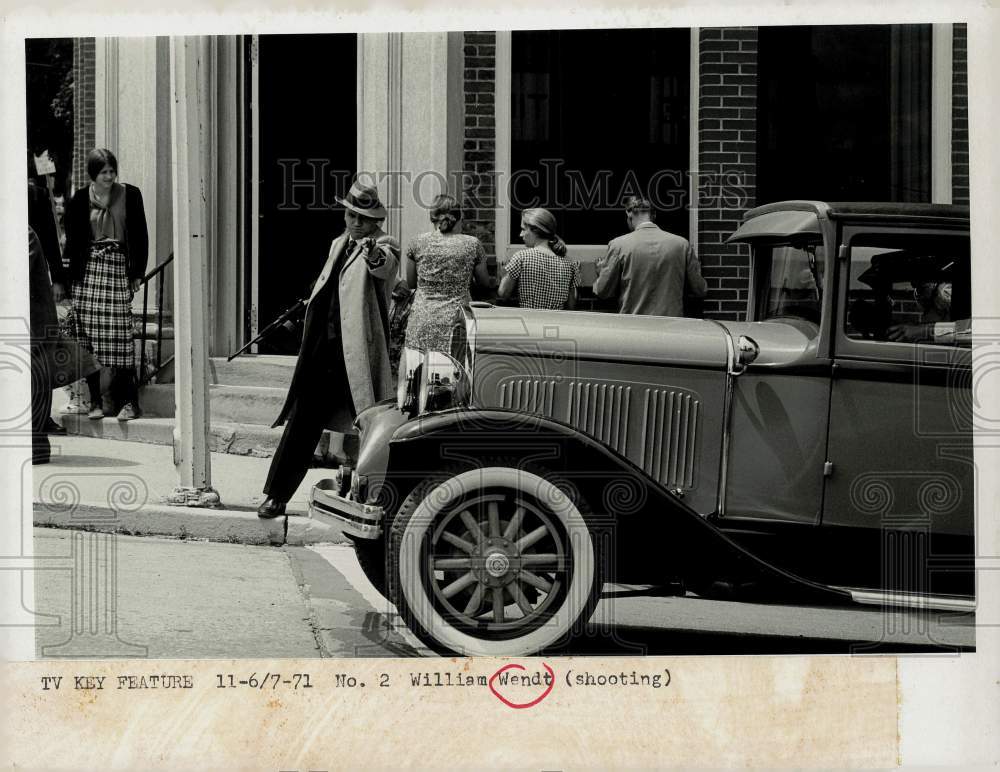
306,145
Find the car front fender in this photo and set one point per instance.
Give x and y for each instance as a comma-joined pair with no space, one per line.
651,535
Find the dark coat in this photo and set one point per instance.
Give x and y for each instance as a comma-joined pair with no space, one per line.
56,361
365,292
40,220
78,236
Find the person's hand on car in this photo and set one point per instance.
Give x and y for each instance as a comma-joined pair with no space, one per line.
910,333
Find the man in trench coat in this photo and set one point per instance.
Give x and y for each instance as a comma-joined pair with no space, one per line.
343,364
55,361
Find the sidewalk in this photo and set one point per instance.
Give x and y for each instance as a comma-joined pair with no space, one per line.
114,486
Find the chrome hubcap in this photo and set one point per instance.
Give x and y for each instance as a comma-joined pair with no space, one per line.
497,564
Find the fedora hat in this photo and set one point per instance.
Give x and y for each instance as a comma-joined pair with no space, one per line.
363,199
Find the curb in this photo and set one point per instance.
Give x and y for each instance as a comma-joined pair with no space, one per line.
230,526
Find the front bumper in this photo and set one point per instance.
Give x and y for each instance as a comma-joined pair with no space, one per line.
326,504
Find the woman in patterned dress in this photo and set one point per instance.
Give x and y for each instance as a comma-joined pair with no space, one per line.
540,275
108,245
440,265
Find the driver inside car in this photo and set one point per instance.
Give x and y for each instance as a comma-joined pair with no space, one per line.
936,324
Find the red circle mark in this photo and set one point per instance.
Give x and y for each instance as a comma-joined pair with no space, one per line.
520,705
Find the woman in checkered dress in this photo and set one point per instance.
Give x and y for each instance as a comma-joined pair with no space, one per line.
540,275
108,244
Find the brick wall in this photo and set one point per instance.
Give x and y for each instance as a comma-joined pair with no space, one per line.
727,162
84,60
960,117
479,141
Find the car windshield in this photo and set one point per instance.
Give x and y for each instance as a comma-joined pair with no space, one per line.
788,281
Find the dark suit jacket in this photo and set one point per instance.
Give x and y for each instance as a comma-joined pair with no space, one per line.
41,222
78,238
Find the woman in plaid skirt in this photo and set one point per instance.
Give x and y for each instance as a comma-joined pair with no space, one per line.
108,245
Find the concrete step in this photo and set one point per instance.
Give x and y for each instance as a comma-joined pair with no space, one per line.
253,369
238,439
227,404
152,328
152,318
166,351
248,369
257,441
166,374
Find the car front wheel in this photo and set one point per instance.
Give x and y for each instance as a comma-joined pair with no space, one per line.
493,561
371,558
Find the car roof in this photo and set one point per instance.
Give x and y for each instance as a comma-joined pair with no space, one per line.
867,209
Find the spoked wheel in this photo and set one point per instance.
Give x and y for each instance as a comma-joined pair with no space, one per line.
493,561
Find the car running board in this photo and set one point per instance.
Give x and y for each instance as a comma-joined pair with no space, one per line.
911,600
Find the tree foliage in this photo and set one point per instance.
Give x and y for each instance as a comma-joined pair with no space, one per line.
49,101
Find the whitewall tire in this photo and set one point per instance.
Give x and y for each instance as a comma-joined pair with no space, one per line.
496,561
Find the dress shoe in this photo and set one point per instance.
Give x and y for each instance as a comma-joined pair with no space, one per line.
51,427
95,414
271,508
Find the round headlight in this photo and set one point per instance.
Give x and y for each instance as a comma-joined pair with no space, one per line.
430,381
410,369
462,339
444,384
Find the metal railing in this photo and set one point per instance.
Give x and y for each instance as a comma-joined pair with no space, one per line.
145,375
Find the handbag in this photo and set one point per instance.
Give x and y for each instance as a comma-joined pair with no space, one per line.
69,360
399,315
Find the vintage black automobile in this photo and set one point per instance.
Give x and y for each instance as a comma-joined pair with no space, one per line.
820,451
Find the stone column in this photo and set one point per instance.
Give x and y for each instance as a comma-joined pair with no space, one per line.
190,80
226,260
410,121
941,106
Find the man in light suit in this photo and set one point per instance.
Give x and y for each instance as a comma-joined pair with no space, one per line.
343,364
648,269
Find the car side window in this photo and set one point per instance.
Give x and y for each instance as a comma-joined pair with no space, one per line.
909,290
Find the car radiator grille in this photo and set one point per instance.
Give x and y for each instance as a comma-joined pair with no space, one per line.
531,395
669,423
602,411
657,430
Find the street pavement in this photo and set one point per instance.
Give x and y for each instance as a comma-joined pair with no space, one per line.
192,599
173,598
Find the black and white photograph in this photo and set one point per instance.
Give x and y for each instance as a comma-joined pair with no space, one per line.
601,342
